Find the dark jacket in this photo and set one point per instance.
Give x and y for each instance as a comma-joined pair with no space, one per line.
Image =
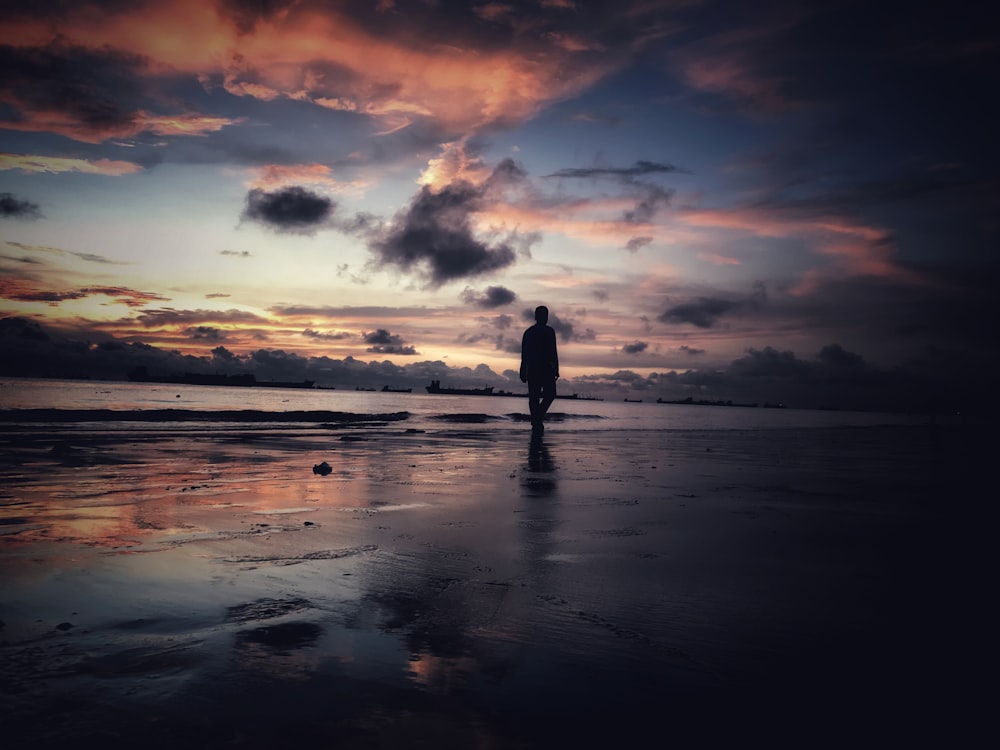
539,359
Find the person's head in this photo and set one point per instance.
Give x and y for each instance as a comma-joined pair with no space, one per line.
541,315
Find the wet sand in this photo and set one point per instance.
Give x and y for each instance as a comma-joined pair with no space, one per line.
475,588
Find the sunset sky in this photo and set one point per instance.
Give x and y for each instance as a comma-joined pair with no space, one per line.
784,200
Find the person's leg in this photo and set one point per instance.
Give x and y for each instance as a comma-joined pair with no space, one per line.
548,395
534,398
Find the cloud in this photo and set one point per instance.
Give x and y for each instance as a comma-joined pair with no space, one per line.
434,236
71,90
30,163
705,312
319,336
43,250
206,333
690,350
396,65
167,317
636,243
637,347
641,168
649,203
23,291
90,93
383,342
494,296
12,207
246,16
291,209
649,198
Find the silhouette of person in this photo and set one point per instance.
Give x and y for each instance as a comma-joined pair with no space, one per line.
539,366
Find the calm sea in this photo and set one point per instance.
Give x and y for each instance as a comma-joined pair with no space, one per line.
418,410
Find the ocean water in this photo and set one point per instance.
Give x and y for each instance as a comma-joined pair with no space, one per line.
418,410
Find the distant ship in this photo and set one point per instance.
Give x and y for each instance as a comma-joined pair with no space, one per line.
387,389
435,387
702,402
246,380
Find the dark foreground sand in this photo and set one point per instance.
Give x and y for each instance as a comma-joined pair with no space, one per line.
475,589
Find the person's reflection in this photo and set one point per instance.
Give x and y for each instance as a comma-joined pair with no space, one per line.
540,478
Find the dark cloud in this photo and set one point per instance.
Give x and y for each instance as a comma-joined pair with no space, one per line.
641,168
290,209
21,329
653,198
21,293
92,258
12,207
383,342
191,318
705,312
690,350
649,197
493,296
335,336
206,333
88,257
93,90
636,243
246,15
19,290
637,347
508,172
329,311
434,235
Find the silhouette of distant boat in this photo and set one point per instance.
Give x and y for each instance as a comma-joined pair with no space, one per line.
245,380
367,390
435,387
633,401
702,402
387,389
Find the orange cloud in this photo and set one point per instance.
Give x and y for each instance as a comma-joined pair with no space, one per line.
280,175
856,249
729,77
453,163
66,124
293,55
56,164
199,125
21,290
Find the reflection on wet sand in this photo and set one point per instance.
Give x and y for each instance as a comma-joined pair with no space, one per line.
480,589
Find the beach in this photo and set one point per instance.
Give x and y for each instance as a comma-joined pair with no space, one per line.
462,586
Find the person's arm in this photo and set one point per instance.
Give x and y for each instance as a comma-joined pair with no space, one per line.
523,374
555,354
